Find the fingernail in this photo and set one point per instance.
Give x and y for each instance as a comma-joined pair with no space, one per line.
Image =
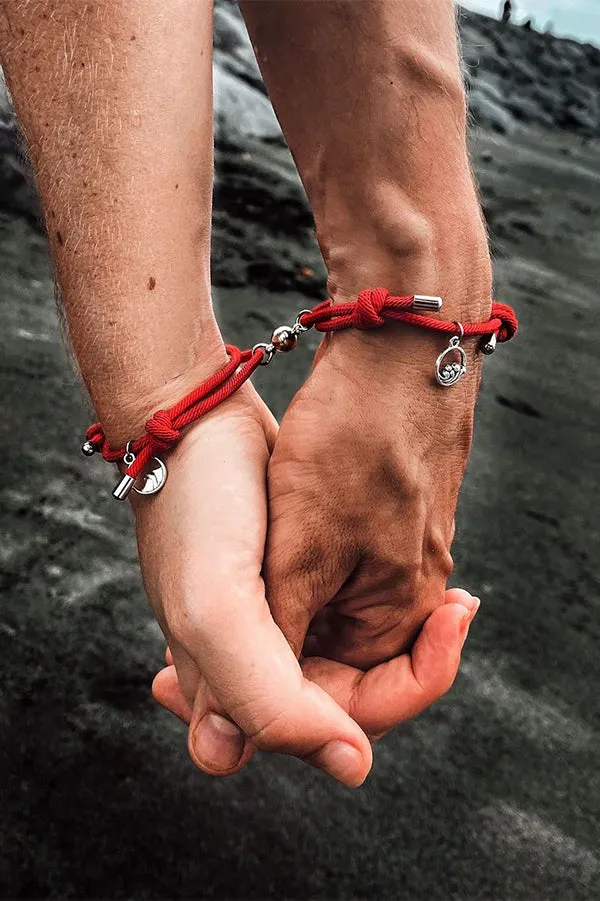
344,762
218,742
471,604
463,626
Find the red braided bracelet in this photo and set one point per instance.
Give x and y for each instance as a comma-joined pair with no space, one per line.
371,309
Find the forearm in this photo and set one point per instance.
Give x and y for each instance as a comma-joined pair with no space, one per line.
115,101
371,100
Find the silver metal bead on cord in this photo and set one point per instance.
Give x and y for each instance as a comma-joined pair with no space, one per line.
284,339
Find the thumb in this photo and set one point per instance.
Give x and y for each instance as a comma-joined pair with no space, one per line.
402,687
254,679
226,743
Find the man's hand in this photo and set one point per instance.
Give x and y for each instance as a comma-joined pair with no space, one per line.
201,543
363,484
365,474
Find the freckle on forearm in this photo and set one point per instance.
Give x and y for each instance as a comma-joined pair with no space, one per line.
97,87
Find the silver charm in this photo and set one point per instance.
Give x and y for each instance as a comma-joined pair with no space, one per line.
148,482
153,479
450,373
88,449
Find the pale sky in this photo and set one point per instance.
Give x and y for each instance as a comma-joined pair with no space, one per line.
577,18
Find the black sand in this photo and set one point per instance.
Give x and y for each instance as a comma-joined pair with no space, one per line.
495,792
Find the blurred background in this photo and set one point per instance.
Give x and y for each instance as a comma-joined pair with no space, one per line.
492,794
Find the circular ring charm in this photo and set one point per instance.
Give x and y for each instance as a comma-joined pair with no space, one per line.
153,479
450,373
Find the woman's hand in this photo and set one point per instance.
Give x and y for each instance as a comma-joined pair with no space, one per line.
201,542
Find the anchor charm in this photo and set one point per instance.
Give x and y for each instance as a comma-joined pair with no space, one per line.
449,373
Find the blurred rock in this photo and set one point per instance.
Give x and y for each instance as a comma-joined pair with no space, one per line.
519,77
241,109
516,78
487,113
18,195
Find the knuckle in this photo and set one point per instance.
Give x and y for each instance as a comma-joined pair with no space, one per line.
436,554
274,735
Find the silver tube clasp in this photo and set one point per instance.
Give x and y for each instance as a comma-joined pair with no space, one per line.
422,303
488,345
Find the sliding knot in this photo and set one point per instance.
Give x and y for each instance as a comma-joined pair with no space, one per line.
369,304
162,431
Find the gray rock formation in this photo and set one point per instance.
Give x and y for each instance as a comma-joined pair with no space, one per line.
522,77
516,78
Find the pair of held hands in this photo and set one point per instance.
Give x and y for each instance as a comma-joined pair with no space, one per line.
319,633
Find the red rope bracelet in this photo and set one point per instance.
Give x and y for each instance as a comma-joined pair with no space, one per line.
371,309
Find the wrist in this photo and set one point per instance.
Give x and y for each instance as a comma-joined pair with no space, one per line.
418,256
390,393
410,245
124,406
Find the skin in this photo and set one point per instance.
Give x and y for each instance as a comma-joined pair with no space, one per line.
363,483
97,93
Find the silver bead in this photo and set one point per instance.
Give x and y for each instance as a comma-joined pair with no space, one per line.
284,339
488,345
88,449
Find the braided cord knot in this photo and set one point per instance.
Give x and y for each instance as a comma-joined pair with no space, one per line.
161,430
368,309
372,308
510,323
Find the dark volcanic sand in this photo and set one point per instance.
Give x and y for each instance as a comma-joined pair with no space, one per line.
495,792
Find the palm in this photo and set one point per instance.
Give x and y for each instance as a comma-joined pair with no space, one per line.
207,526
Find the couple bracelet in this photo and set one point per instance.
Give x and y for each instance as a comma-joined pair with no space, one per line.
145,471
